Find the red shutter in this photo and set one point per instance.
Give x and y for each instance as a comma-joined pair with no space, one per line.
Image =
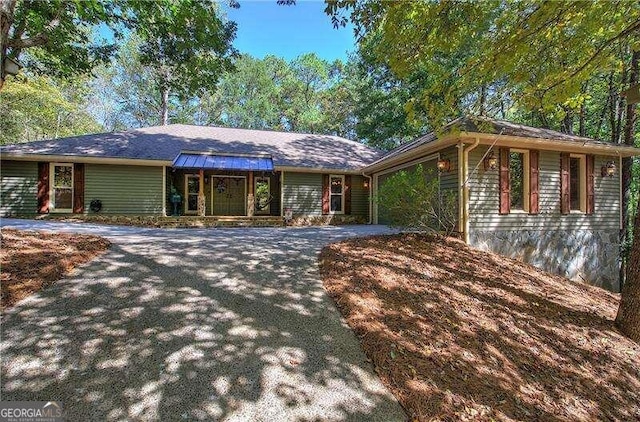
347,194
78,188
505,183
590,190
43,188
325,194
534,182
565,199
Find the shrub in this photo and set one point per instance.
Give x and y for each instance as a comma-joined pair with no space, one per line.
412,200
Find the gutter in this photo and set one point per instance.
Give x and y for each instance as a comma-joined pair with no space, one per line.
84,159
553,145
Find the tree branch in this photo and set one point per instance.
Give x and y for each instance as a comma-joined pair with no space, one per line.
629,30
37,40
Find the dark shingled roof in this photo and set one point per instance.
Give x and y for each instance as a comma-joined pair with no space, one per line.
166,142
483,124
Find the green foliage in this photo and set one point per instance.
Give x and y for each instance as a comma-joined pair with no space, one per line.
250,96
188,46
58,33
514,51
412,200
43,108
186,42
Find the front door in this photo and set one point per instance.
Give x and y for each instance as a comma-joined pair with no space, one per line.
263,195
228,195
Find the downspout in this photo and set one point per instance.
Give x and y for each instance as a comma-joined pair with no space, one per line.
370,197
460,187
465,188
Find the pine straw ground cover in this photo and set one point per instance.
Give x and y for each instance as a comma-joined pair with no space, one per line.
460,334
31,261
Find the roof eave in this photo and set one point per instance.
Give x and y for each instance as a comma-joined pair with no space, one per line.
423,149
324,170
83,159
552,144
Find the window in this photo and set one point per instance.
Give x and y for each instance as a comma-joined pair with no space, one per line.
577,183
519,180
61,187
336,199
192,189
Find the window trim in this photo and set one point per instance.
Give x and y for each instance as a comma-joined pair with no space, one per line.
526,183
582,174
341,176
52,187
187,211
256,179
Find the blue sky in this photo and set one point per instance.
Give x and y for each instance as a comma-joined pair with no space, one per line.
287,31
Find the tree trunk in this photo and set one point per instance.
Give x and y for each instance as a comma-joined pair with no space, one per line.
628,318
567,122
625,172
7,8
164,106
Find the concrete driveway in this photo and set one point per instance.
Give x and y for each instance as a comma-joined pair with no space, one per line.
193,324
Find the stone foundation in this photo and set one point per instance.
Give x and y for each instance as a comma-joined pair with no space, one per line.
589,256
324,220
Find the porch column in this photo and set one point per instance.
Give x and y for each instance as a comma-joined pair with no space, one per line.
201,200
251,201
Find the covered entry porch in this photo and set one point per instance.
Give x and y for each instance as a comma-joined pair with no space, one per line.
223,186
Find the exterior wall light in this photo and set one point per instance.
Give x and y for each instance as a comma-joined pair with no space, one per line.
491,161
444,165
365,184
609,169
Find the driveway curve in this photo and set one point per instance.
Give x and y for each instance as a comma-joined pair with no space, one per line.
193,324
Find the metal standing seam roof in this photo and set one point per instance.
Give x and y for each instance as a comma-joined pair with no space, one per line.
222,162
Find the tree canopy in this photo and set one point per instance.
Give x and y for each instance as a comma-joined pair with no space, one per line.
182,39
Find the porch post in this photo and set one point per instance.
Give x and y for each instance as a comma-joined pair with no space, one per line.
251,201
201,200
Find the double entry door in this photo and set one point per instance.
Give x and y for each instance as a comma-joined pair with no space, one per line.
228,195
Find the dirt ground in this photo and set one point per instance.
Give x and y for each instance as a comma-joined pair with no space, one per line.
460,334
30,260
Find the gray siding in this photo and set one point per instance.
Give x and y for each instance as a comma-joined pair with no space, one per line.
303,193
124,190
359,197
19,182
484,199
449,180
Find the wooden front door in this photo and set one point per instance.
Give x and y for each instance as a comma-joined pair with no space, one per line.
228,195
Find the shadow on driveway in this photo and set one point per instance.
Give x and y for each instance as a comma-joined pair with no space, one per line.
204,324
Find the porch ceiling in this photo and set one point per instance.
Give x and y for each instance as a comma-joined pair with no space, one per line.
222,162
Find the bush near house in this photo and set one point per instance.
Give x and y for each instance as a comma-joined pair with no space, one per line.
412,200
